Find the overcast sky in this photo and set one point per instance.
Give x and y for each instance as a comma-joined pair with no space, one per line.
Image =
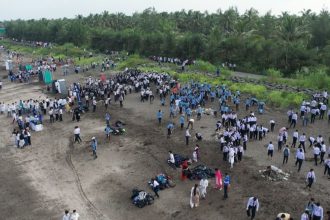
26,9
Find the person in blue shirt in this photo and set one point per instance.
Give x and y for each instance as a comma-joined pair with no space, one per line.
94,147
226,184
170,128
236,102
107,131
159,116
247,104
162,101
188,113
181,120
212,94
172,111
107,118
199,112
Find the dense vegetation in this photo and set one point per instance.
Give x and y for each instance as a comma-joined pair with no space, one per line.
289,43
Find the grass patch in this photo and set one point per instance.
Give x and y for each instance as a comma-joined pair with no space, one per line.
257,91
133,61
282,99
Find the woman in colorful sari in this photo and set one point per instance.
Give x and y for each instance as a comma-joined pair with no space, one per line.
185,170
194,196
218,179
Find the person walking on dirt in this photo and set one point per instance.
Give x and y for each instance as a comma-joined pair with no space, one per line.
121,99
181,121
327,167
252,207
310,207
159,116
94,104
107,131
302,139
305,216
310,178
294,120
203,184
226,185
270,149
76,133
286,154
194,196
187,135
295,136
170,128
317,212
316,152
300,155
272,125
107,118
94,147
74,215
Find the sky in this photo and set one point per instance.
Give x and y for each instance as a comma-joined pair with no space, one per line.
36,9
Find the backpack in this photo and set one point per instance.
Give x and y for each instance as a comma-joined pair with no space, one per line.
286,152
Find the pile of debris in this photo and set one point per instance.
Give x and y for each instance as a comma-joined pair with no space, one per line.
273,173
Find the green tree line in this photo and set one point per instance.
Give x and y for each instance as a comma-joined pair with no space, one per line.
252,41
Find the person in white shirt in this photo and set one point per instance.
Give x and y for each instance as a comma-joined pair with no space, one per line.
76,133
294,120
316,152
317,212
305,216
302,139
311,141
270,149
203,184
66,215
231,157
252,207
94,102
310,178
171,159
323,108
300,155
74,215
155,186
272,125
187,135
295,138
327,167
323,151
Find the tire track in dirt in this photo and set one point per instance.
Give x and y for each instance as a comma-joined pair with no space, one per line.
95,211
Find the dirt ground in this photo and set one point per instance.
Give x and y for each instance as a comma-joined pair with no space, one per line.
41,181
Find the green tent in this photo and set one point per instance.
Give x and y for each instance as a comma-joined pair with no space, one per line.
48,78
28,67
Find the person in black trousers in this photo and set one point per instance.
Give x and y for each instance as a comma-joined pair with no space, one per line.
252,207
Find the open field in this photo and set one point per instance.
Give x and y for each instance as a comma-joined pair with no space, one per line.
54,174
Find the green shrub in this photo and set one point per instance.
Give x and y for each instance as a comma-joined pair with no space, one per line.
285,99
202,66
273,75
132,61
258,91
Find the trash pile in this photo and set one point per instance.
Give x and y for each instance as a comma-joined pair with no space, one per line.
200,172
141,198
273,173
